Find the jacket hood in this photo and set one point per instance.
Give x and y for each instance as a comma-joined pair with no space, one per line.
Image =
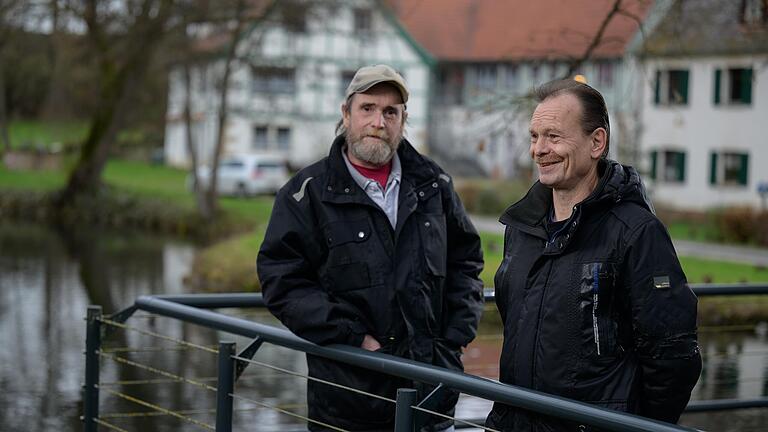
617,183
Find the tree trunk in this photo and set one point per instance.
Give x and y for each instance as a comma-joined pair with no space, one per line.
206,212
118,82
211,192
6,141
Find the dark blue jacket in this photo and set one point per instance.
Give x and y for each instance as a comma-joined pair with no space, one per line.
332,269
599,312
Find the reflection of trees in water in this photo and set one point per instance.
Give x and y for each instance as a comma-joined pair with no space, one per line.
720,373
114,270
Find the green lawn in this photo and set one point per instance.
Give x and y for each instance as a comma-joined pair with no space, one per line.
32,132
697,270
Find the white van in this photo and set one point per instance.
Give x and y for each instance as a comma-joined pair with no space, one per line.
247,174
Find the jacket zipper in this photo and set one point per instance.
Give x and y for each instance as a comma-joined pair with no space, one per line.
595,296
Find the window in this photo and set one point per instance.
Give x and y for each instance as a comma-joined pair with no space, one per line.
733,86
283,138
535,73
511,79
273,80
671,87
754,11
346,78
294,14
362,21
452,85
668,166
260,140
271,138
729,169
605,74
483,78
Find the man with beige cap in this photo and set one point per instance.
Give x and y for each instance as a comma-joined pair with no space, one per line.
371,247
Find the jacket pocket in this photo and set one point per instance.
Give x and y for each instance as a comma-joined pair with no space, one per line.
596,303
434,242
347,277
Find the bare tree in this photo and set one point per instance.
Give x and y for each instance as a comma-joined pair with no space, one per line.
123,37
231,19
10,10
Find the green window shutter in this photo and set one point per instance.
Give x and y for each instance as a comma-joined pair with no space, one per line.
743,169
746,86
684,86
681,167
718,74
713,168
658,87
654,158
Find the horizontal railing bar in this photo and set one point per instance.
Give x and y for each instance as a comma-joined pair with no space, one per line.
481,387
246,300
726,404
215,301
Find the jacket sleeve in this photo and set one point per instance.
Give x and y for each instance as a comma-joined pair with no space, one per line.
287,266
663,310
463,287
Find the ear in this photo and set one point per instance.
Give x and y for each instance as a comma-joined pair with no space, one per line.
598,141
345,115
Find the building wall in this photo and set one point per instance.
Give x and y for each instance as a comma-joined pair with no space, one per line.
701,127
487,120
322,56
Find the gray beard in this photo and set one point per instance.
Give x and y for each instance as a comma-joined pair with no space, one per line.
377,154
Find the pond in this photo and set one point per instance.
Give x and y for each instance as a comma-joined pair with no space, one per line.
49,277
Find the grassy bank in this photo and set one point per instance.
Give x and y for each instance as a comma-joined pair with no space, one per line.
138,194
147,191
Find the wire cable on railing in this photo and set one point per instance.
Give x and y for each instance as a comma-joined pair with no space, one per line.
468,423
186,412
290,372
146,349
286,412
109,425
203,379
158,335
159,408
155,413
158,371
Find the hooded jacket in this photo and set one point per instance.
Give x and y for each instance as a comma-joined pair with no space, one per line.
333,269
599,311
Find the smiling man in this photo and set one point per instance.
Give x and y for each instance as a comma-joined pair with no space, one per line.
371,247
594,302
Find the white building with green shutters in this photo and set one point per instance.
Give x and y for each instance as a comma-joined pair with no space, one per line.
705,105
289,80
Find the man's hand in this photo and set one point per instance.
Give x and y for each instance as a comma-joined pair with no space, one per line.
370,344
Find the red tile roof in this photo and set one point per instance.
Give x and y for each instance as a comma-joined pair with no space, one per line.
492,30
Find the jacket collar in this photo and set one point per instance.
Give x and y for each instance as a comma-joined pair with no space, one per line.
616,183
530,213
342,188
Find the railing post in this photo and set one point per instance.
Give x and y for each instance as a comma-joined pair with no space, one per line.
91,387
225,387
404,418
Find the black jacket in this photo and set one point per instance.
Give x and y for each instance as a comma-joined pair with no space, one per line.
332,269
599,311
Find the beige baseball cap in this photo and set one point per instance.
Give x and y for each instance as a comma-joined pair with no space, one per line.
368,76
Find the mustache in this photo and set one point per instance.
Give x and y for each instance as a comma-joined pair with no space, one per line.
380,135
546,160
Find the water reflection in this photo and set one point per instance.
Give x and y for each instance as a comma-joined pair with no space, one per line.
48,278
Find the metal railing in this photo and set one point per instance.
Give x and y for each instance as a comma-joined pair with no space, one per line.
410,413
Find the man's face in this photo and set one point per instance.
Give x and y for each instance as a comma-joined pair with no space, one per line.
564,155
374,122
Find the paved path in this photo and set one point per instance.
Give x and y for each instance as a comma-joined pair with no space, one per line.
713,251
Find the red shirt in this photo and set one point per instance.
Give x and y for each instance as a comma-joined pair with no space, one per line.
379,175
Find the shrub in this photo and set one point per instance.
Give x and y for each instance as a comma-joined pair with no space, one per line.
737,224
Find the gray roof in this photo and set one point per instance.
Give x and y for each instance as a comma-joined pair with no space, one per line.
705,27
